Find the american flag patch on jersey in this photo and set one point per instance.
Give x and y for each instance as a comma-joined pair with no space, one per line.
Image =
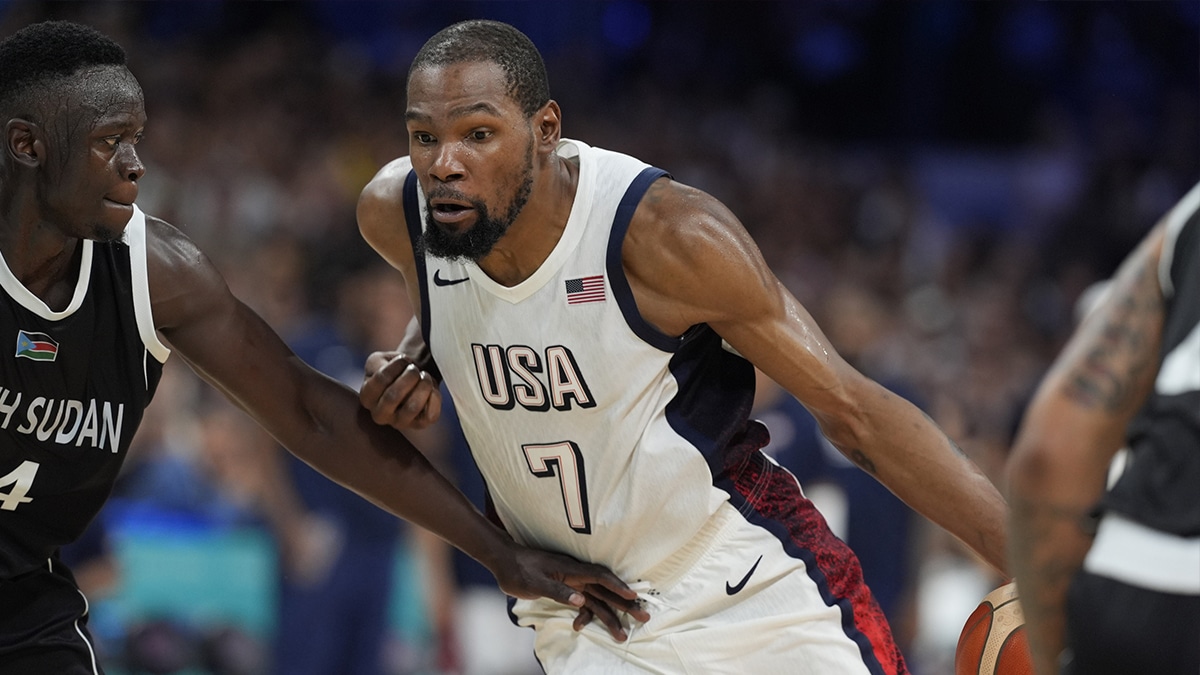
585,289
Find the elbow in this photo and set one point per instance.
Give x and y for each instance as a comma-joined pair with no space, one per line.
848,429
1029,468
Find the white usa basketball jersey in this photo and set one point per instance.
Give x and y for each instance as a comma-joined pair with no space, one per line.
594,431
600,437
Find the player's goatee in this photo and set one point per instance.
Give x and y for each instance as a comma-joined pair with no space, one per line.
478,240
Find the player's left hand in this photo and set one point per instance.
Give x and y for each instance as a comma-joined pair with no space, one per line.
398,392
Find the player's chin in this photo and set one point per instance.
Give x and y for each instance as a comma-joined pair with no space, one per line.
455,230
108,232
111,224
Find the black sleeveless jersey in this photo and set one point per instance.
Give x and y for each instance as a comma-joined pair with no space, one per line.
73,387
1161,485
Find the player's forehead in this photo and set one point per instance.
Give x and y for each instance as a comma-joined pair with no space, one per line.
445,92
109,94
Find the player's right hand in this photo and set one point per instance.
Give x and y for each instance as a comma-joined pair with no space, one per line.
592,589
398,393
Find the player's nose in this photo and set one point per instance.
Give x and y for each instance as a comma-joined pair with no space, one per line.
447,164
131,164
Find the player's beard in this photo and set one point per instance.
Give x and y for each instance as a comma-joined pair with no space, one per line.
477,240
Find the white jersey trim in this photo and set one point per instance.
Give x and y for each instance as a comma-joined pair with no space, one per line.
1178,217
24,297
1132,553
135,236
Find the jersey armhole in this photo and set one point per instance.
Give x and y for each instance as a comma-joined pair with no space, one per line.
135,236
616,269
1179,217
412,217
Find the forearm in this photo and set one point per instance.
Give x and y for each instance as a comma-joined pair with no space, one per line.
1048,546
903,449
1071,430
1055,476
382,465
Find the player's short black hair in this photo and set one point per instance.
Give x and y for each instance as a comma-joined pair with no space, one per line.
492,42
40,53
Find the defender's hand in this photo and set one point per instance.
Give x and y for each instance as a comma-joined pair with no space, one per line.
398,393
593,589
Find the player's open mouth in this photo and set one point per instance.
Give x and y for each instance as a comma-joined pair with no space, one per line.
451,212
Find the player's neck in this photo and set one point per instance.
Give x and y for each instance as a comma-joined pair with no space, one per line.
47,266
535,233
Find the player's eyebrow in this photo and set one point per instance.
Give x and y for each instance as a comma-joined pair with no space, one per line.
411,115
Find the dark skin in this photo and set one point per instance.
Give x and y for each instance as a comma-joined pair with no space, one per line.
74,175
1072,429
688,260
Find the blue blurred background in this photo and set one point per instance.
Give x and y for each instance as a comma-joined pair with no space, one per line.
939,182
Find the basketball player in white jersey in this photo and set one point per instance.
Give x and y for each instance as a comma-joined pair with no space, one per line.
596,323
1110,580
92,292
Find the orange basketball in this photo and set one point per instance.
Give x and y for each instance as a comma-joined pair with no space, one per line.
993,640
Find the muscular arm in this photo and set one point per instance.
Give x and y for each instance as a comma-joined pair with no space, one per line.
690,261
314,416
1072,429
321,422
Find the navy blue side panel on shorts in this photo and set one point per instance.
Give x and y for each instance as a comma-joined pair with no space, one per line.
768,496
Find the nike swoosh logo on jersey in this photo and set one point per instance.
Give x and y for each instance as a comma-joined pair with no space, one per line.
438,280
733,590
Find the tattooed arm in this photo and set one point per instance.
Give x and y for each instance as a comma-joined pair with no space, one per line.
1072,429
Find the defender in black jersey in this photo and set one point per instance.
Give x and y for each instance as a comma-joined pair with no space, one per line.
1115,589
93,292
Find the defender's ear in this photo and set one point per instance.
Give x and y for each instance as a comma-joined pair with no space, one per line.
23,142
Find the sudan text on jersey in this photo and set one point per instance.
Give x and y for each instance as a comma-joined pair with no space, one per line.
67,422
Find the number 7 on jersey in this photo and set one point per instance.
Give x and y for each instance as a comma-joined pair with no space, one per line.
563,459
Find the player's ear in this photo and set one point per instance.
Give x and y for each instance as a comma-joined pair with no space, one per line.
23,142
549,124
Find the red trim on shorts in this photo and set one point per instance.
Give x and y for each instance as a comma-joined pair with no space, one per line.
774,497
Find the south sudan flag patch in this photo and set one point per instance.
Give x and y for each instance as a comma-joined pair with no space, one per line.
36,346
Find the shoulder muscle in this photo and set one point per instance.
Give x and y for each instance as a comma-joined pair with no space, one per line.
183,281
690,261
381,218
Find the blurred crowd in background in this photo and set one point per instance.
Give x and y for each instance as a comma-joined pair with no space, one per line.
940,183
